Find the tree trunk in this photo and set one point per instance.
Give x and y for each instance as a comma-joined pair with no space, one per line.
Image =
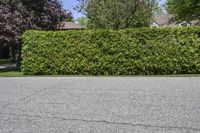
18,55
1,55
12,54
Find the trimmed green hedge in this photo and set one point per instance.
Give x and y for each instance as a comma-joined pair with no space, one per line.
146,51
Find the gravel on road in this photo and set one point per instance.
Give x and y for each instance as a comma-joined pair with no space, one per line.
100,105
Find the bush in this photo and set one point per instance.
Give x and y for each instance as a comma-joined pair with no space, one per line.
146,51
4,61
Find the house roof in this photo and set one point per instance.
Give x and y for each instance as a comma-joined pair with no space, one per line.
163,20
69,26
169,20
195,23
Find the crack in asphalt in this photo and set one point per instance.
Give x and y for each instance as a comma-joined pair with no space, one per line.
104,121
35,93
23,99
32,116
29,96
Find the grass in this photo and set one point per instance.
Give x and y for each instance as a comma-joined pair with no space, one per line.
18,73
11,73
4,61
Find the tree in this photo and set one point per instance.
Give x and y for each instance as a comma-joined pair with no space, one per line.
16,16
118,14
184,9
83,21
69,17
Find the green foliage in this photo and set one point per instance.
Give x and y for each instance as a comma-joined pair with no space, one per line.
4,61
184,9
145,51
118,14
83,21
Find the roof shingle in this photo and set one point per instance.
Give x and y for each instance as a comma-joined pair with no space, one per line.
69,26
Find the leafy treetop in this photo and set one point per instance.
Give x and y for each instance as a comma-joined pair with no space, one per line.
184,9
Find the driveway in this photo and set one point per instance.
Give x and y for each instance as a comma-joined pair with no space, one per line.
7,66
100,105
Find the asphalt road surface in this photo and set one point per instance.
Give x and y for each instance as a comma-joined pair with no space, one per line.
100,105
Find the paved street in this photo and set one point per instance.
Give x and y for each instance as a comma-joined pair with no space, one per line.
100,105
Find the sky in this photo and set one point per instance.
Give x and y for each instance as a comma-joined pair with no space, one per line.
69,4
